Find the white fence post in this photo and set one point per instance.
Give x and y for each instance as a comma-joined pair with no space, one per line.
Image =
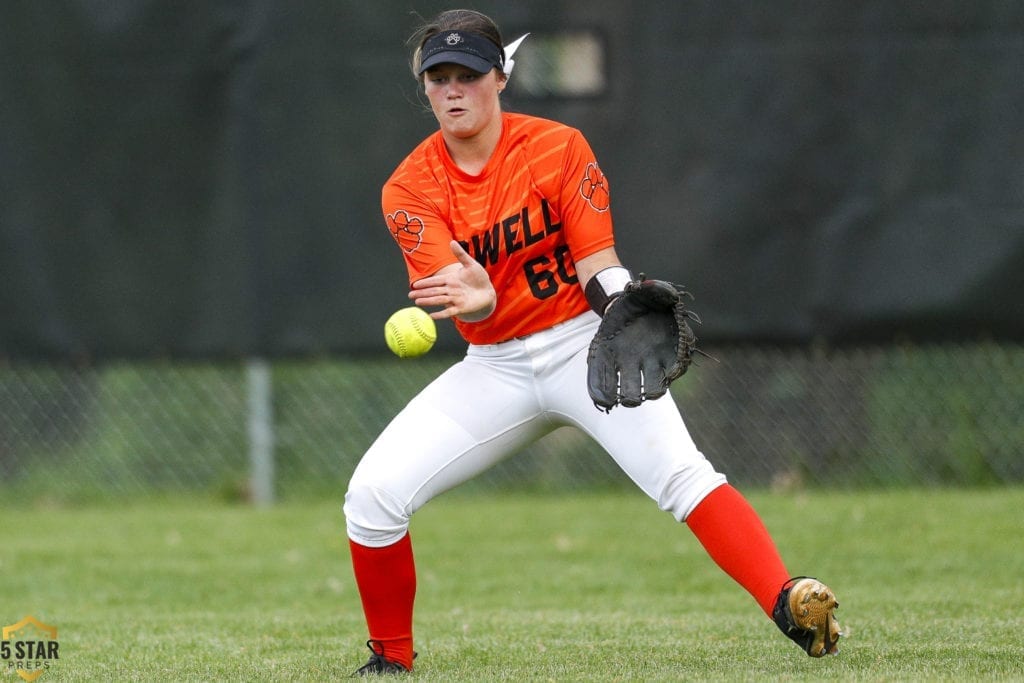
261,431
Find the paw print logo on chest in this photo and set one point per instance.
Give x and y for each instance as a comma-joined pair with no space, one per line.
407,230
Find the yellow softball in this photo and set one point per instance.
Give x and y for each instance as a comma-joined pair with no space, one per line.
410,332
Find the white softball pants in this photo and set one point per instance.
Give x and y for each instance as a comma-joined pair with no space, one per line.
495,401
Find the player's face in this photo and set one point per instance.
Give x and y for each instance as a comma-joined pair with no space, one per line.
464,101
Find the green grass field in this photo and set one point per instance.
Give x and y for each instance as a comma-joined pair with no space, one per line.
597,587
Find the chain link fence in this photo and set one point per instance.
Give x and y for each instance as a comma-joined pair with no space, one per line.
768,417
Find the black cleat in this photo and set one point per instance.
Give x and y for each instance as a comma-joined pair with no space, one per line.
805,612
377,664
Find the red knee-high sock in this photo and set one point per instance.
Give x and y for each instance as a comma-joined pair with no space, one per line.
387,586
736,539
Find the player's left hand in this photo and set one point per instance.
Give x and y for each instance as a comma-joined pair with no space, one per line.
462,290
643,344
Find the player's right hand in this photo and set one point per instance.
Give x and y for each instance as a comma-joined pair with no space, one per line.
463,290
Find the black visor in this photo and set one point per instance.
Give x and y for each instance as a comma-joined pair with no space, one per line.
470,50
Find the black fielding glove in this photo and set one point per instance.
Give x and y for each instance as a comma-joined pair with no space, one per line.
643,344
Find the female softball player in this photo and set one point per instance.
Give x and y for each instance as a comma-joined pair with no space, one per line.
503,220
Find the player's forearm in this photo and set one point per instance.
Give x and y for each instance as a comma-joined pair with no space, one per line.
590,266
602,278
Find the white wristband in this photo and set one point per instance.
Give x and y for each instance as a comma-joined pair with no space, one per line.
605,285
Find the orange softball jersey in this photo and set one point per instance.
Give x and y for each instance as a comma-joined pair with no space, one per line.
540,203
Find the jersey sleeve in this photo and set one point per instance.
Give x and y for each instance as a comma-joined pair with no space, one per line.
418,229
585,200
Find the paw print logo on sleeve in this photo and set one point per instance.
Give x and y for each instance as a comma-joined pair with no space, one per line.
407,230
594,188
